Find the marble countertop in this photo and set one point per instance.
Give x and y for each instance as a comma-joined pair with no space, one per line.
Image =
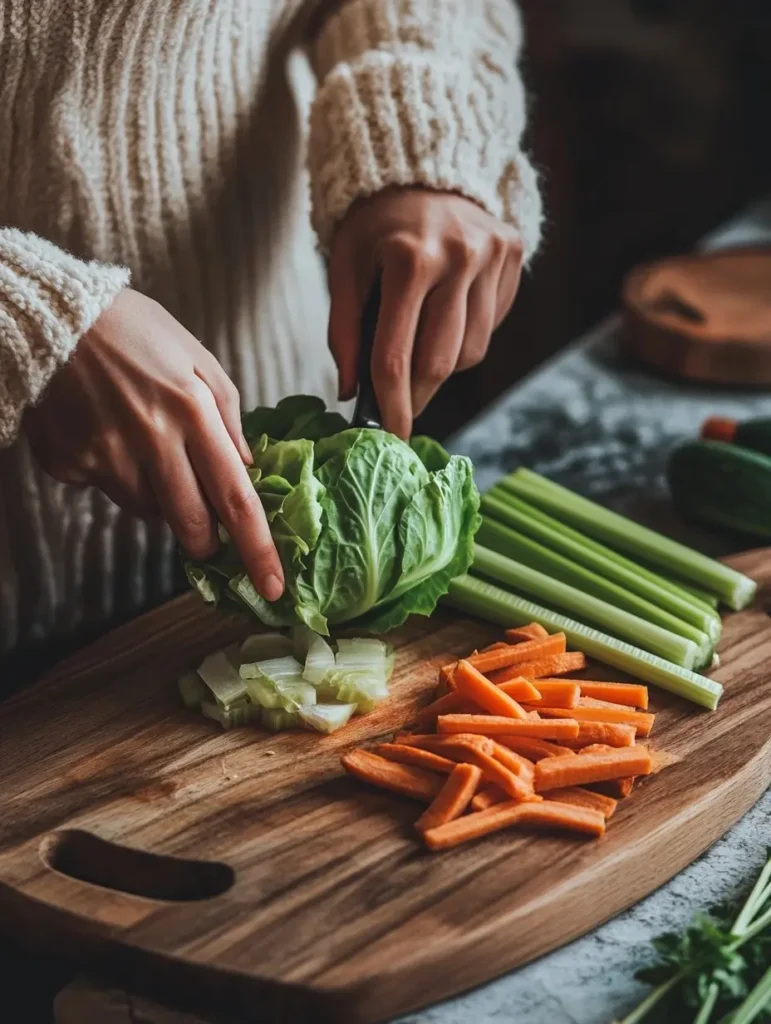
603,427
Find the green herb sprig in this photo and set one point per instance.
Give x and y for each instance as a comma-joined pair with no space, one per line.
718,971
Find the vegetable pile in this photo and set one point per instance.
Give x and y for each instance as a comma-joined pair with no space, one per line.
718,971
369,529
724,480
516,744
620,592
282,683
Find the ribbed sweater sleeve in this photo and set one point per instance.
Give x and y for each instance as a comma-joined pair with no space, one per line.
421,92
48,300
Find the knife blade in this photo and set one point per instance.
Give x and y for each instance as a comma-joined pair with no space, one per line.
366,412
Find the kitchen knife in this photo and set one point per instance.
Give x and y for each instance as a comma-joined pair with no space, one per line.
366,412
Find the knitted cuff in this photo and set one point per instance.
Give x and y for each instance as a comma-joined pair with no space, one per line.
48,300
421,92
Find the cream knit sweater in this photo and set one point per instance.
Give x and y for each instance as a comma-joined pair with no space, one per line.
163,142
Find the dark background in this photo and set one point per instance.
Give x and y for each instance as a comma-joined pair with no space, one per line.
650,123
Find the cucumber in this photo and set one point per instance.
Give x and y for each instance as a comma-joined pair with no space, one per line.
724,485
754,434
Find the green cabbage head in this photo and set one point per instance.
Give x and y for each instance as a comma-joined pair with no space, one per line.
369,529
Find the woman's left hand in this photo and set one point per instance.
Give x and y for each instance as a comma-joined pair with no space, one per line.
449,274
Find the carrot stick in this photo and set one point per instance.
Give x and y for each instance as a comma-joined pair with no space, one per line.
579,797
534,631
473,685
522,690
497,646
486,797
497,725
415,756
531,748
515,787
641,720
613,734
544,815
399,778
581,769
514,762
618,788
554,693
632,694
516,654
450,703
556,665
441,744
594,702
452,799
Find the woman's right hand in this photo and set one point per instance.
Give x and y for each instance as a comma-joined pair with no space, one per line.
145,413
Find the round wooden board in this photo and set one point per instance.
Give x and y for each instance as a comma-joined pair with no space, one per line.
703,317
337,914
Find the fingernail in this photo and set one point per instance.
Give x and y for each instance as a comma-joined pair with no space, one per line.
246,451
271,587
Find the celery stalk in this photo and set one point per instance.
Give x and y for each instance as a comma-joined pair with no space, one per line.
736,590
508,542
624,625
475,597
502,505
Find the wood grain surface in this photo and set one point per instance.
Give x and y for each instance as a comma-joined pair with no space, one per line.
314,901
704,317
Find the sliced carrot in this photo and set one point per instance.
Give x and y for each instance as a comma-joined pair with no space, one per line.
594,702
399,778
486,797
534,631
617,789
497,725
553,814
556,665
632,694
497,774
516,654
641,720
473,685
450,703
614,734
439,744
582,769
546,815
415,756
531,748
531,714
452,799
580,797
514,762
497,646
522,690
554,693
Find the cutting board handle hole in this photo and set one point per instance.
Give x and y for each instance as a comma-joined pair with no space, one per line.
87,858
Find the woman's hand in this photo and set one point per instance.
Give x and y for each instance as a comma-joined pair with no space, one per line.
449,274
144,412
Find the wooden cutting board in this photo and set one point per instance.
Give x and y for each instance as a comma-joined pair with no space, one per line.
300,895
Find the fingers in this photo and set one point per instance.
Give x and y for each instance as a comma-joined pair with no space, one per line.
228,403
482,312
349,286
228,488
181,499
406,278
440,338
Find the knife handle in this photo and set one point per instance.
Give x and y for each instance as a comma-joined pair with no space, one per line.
366,413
